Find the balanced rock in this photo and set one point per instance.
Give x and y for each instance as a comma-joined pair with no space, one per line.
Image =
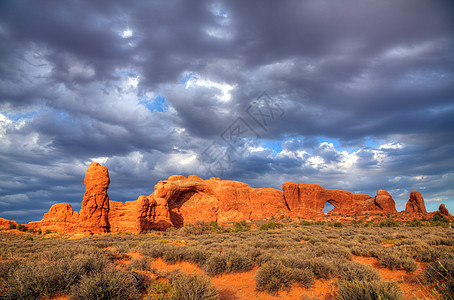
415,203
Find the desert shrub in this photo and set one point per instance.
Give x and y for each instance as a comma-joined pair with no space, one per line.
191,287
409,264
198,228
353,271
437,217
140,264
237,262
369,290
158,290
215,265
242,226
322,267
37,279
439,270
48,231
331,251
338,224
389,223
415,223
390,260
303,277
272,277
12,226
173,254
196,255
318,239
271,225
227,262
113,284
428,255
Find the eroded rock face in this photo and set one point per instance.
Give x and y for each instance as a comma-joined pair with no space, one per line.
444,211
60,218
415,203
305,199
179,200
4,223
95,205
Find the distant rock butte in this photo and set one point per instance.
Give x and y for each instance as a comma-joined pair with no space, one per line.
415,203
179,200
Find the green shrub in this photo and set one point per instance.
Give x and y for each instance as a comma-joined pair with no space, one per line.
12,226
192,287
271,225
40,231
369,290
242,226
415,223
389,223
113,284
440,218
338,224
272,277
48,231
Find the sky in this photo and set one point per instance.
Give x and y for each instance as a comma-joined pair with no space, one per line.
355,95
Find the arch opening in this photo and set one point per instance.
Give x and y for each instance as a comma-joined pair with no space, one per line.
328,207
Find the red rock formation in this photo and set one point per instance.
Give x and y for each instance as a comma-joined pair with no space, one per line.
95,205
444,211
4,223
60,218
180,200
309,200
415,203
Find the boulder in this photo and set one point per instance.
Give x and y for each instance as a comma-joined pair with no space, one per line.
415,203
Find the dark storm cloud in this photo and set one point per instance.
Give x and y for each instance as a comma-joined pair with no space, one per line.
78,80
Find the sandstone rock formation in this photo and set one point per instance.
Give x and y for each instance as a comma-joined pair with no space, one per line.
179,200
95,205
60,218
305,199
415,203
4,223
444,211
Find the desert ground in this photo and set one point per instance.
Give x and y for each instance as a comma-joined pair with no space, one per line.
363,257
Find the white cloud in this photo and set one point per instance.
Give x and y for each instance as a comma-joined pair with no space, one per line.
224,88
